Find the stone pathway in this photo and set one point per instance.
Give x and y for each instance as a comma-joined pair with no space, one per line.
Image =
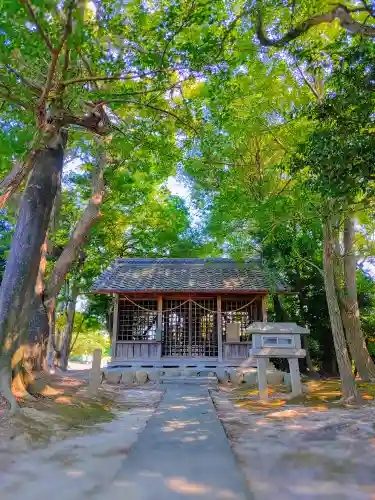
182,454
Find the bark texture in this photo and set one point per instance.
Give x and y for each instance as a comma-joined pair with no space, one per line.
20,276
348,385
44,316
350,308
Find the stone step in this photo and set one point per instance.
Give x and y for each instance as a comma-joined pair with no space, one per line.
189,380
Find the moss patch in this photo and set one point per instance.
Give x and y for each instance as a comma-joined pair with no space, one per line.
65,409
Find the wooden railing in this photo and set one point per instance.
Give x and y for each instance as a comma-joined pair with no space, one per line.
151,350
138,349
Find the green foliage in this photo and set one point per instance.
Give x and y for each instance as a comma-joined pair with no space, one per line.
87,335
262,136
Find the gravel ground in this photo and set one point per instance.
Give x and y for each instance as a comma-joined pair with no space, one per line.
304,453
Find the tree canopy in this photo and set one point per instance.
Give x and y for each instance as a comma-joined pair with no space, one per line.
264,111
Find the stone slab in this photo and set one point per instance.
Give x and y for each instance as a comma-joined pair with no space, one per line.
183,454
141,377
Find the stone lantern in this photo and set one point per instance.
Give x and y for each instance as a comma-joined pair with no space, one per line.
277,340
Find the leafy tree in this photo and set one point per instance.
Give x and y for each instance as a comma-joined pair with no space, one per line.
70,70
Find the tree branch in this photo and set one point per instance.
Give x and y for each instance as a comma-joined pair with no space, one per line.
67,27
276,139
155,108
340,12
31,85
178,30
42,33
309,84
88,79
41,111
16,100
13,180
231,26
299,256
96,122
80,232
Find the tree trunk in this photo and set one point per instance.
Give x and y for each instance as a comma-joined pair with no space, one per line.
68,256
18,286
309,364
348,386
51,316
350,309
68,331
38,324
280,314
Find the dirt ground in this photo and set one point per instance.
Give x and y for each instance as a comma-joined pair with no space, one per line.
311,448
66,445
69,443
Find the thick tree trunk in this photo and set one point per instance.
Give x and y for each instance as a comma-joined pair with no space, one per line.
38,324
18,286
69,255
348,386
350,309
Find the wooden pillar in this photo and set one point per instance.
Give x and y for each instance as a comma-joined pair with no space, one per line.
262,378
219,331
116,306
190,328
264,308
159,324
159,321
295,376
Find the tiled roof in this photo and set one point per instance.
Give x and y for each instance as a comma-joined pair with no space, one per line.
136,275
277,328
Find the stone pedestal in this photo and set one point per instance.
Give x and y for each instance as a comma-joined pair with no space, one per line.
295,377
95,372
262,378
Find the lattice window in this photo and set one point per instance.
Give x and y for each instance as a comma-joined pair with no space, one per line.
138,320
189,328
233,311
175,340
204,328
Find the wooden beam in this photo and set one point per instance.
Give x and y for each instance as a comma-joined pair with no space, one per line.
159,323
219,330
115,325
176,294
190,326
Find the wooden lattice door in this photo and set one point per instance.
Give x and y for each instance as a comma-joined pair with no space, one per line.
175,335
204,328
190,328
